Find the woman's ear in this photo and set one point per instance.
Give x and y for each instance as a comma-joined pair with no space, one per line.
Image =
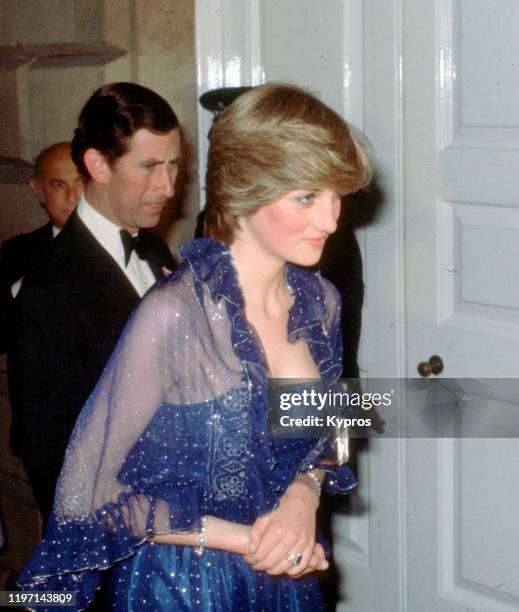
97,166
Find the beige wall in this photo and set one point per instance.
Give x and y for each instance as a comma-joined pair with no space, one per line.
51,60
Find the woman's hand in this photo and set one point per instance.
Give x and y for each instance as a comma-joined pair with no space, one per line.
318,562
285,534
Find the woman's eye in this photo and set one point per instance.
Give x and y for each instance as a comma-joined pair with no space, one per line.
306,199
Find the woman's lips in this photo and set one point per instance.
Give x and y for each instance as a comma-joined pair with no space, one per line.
316,242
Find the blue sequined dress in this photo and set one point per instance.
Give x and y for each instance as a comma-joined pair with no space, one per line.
177,429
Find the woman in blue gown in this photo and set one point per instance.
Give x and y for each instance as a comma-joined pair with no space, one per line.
171,477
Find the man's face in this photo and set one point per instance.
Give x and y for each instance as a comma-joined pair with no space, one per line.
59,185
142,180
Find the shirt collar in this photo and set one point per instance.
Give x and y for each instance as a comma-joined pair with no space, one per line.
105,231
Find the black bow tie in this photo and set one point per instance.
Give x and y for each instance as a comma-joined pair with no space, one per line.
131,243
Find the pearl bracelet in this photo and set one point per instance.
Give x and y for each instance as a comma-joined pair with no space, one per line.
316,482
201,538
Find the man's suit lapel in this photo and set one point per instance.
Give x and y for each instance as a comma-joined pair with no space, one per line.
44,235
99,267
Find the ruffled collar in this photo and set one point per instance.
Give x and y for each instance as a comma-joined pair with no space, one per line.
212,265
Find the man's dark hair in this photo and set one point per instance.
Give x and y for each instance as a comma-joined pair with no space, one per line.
111,117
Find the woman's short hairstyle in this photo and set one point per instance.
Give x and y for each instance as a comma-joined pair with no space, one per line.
111,117
274,139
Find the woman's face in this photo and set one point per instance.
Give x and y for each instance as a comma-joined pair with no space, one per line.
295,227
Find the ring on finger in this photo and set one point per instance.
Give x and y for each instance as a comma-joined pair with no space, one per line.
294,559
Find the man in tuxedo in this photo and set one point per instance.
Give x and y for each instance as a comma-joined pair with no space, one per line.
72,308
57,184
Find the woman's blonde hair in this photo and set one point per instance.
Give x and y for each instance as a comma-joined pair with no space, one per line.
273,139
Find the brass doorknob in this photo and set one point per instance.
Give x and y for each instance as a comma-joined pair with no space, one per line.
433,366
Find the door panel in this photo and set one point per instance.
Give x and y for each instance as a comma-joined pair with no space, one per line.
461,125
461,157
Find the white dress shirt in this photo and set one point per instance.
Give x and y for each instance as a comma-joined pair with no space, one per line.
108,235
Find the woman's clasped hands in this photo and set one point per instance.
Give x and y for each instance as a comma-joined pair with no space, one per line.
283,541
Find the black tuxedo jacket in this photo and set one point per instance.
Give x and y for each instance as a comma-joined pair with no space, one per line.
70,312
18,256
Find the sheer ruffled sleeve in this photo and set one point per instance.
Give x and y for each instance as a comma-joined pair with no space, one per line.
340,479
136,464
316,319
333,319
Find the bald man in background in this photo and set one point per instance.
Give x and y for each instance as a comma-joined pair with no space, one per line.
58,185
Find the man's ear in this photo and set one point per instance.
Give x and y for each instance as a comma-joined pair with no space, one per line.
97,166
37,189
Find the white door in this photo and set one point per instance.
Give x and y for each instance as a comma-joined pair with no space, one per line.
460,62
442,79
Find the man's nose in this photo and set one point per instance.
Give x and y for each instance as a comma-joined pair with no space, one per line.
166,182
73,194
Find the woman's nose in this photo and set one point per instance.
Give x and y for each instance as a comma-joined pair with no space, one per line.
328,211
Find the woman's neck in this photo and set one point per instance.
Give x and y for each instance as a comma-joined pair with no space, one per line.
262,278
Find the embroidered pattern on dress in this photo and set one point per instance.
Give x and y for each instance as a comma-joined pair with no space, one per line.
72,502
232,445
